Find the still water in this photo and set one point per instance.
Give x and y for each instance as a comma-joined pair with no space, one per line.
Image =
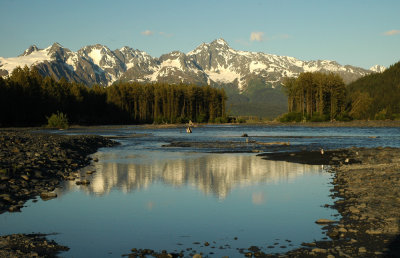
144,195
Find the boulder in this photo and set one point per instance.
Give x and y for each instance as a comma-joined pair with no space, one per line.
47,195
325,221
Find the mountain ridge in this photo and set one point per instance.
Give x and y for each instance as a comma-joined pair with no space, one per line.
209,63
252,80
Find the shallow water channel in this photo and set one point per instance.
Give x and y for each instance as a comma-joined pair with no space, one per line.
143,195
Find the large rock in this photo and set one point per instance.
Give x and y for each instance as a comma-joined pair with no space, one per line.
325,221
48,195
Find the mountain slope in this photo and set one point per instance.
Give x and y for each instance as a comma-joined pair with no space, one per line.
216,63
376,96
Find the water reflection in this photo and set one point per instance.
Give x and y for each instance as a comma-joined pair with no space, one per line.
216,174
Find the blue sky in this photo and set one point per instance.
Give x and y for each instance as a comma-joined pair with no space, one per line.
355,32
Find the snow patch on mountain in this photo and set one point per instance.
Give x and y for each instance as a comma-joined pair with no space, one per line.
377,68
72,61
224,74
172,63
256,66
96,56
30,59
214,62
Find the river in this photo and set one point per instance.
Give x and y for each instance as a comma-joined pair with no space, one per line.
146,195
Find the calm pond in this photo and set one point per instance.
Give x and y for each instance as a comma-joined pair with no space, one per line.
146,195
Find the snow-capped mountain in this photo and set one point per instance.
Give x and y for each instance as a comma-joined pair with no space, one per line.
214,63
377,68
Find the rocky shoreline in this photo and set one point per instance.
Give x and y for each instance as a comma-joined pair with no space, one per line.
33,164
29,245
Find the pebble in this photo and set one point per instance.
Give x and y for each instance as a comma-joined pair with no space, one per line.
40,161
353,209
319,250
25,177
83,182
325,221
362,250
48,195
374,231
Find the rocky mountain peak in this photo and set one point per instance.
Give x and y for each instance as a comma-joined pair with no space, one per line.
58,52
214,63
172,55
219,42
29,50
54,48
377,68
216,45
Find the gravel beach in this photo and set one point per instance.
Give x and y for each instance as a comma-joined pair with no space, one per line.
32,164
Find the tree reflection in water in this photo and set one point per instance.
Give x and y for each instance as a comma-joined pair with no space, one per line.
215,174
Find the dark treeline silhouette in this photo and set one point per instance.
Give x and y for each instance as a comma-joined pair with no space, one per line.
26,98
315,96
376,96
320,97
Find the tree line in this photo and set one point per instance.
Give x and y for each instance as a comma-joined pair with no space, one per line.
321,97
376,96
27,98
315,97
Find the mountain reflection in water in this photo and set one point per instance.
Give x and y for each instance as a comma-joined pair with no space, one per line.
216,174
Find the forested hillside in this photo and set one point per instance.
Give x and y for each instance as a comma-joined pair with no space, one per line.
321,97
376,96
26,98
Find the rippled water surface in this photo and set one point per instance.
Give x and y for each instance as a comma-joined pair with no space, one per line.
144,195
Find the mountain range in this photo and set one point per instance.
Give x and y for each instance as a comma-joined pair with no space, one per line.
251,79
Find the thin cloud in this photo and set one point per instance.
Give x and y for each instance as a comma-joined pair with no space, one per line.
391,32
260,37
168,35
283,36
257,36
242,42
147,33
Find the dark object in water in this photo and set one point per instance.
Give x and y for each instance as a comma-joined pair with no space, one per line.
245,135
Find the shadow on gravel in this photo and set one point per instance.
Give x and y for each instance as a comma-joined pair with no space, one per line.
394,248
